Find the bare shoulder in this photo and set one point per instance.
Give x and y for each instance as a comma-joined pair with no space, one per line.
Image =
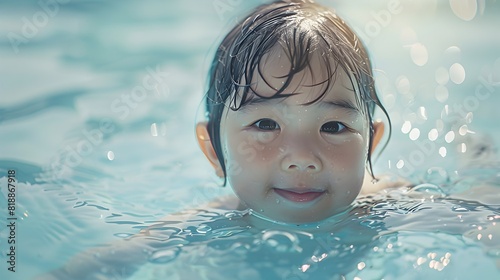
229,202
382,182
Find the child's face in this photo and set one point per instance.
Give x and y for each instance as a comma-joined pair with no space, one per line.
293,162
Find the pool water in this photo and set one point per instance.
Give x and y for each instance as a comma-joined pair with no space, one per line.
97,112
402,234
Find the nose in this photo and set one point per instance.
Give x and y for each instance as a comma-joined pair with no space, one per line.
301,160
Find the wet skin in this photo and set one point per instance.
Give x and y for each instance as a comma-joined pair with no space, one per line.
293,162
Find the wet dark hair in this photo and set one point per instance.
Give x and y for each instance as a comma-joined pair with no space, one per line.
301,28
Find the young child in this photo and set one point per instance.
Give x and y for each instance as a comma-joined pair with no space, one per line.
290,110
290,127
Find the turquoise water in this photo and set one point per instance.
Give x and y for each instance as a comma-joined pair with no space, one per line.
97,113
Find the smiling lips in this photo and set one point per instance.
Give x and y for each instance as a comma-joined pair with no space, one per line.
297,196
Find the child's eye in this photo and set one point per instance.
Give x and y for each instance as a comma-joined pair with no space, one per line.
333,127
266,124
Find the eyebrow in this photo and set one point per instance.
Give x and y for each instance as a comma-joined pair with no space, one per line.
344,104
336,104
255,101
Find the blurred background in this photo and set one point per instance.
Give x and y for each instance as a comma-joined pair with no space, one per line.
67,65
98,101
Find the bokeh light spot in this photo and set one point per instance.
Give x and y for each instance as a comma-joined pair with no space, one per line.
422,113
449,137
408,36
154,130
442,76
463,130
433,134
457,73
441,93
403,84
463,148
110,155
442,151
406,127
414,134
419,54
464,9
453,54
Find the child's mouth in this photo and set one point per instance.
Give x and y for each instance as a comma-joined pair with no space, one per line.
297,196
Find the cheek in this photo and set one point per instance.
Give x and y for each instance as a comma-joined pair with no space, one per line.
250,148
247,161
349,155
352,150
250,171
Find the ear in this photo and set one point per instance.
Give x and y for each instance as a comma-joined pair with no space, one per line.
378,132
207,148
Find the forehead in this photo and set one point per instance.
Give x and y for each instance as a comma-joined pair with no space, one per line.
320,78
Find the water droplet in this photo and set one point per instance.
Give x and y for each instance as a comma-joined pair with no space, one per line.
430,189
164,256
154,130
175,241
203,229
421,260
110,155
469,117
305,267
463,130
459,208
462,148
422,113
282,241
123,235
277,201
232,215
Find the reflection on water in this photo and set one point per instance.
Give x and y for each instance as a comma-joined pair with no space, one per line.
412,233
446,228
